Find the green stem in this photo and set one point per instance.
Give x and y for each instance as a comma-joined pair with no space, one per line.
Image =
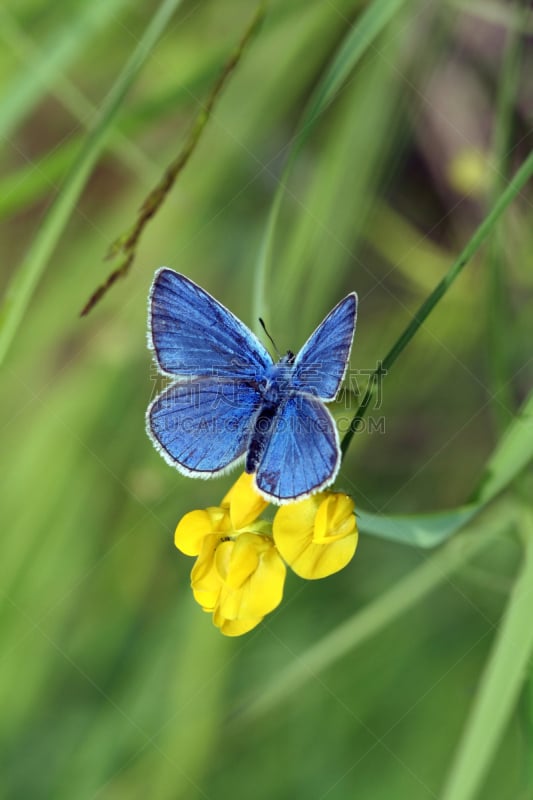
520,179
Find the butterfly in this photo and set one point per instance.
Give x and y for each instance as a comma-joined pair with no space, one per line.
230,400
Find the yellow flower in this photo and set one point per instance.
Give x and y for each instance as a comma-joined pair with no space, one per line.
238,575
317,536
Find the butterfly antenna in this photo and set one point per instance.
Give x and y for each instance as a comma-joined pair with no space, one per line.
269,336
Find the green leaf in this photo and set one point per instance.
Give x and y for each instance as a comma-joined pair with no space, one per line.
512,454
420,530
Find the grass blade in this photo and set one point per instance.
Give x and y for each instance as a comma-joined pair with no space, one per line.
61,49
69,95
499,313
126,245
500,685
23,283
520,179
370,24
512,455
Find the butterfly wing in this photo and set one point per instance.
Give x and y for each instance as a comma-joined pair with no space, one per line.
320,365
192,334
203,426
302,453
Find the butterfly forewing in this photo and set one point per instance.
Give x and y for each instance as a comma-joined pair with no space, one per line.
320,365
192,334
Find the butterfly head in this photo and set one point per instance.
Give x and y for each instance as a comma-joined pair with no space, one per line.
288,358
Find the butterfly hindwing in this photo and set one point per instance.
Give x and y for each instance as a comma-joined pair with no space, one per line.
320,365
192,334
203,426
302,453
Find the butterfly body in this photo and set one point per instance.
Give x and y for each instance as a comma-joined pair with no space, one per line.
275,390
231,400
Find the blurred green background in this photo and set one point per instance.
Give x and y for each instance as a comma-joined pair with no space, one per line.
113,684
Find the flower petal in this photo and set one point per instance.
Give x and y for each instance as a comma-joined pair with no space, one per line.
253,576
319,560
234,627
205,580
334,518
293,527
196,524
244,502
264,591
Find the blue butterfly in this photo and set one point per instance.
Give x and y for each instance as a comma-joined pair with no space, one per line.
229,399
